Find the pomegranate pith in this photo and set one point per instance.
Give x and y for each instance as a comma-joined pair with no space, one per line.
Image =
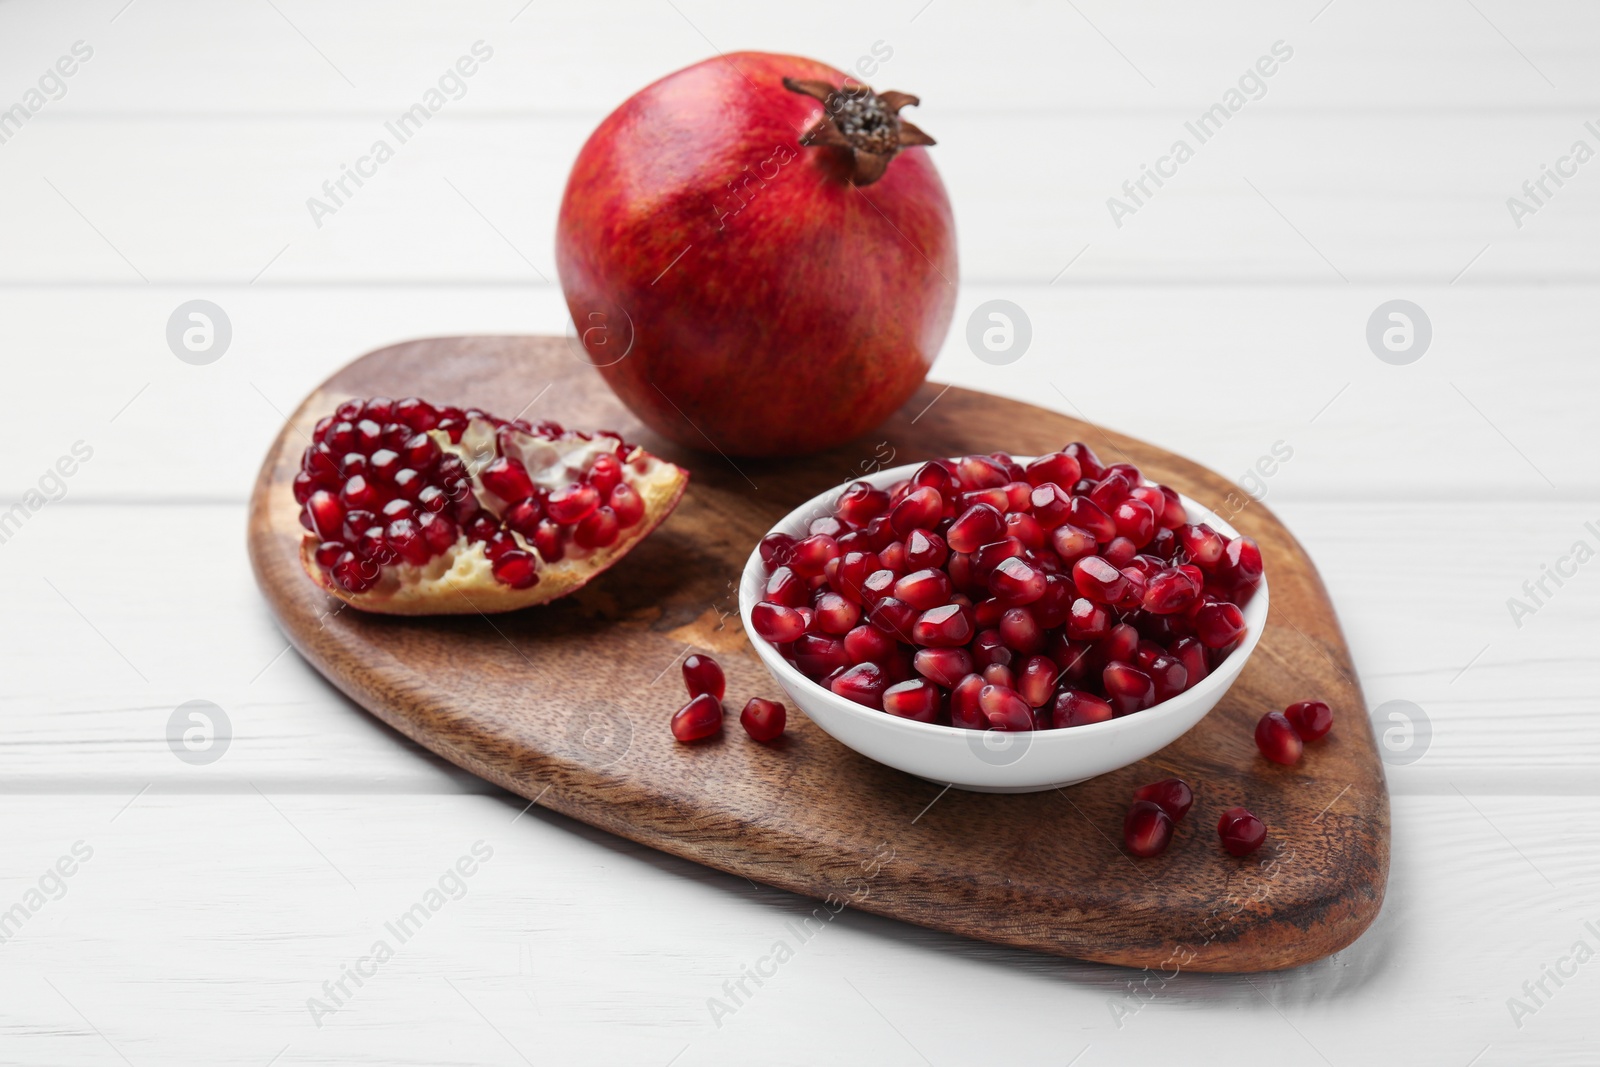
449,511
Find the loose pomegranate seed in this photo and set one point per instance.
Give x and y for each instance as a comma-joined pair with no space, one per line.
1170,676
924,589
1057,467
991,555
1311,719
999,674
860,503
1135,520
981,472
1128,688
1241,562
1014,582
763,720
1020,630
868,643
943,666
917,699
1241,832
976,527
877,585
1170,590
1202,544
1075,708
702,675
1192,654
934,475
1098,580
864,683
811,555
775,549
1004,708
1025,528
1037,683
777,623
1218,624
699,719
1276,739
817,656
1146,829
965,710
572,504
920,510
989,647
1171,795
925,549
786,587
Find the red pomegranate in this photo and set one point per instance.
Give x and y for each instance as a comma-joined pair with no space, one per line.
413,509
758,255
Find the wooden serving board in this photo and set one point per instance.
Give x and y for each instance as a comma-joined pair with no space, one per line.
568,704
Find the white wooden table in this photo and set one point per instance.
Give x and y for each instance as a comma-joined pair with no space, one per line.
1224,315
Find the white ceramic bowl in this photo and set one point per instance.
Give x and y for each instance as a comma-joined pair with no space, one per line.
992,761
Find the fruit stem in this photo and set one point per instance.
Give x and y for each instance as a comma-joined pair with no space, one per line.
864,123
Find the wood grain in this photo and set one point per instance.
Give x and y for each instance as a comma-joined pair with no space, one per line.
567,705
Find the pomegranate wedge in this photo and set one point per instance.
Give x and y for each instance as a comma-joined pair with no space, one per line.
412,509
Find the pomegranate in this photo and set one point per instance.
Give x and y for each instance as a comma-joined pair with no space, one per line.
759,255
979,594
412,509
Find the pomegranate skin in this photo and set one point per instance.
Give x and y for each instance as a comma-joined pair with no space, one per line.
767,306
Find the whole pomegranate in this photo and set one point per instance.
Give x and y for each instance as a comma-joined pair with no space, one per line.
758,255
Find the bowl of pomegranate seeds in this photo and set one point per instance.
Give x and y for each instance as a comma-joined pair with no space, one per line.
1004,624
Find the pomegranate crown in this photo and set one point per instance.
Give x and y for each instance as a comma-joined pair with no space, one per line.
866,123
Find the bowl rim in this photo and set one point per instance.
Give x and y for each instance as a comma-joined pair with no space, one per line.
1216,682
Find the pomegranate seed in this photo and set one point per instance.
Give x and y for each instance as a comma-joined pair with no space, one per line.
1072,542
860,503
1171,795
1020,630
763,720
934,475
1057,467
892,557
981,472
327,553
965,711
1025,528
877,585
420,452
1038,681
920,510
999,674
1277,740
1219,624
1241,562
879,532
811,555
944,666
1170,676
416,413
1004,708
1098,580
850,571
775,549
324,515
516,568
776,623
817,656
1201,544
1120,552
924,589
1192,654
786,587
864,683
1014,582
827,524
1172,514
547,540
406,539
835,615
1135,520
1128,688
946,626
894,617
1170,590
703,675
868,643
925,549
572,504
1241,832
599,529
1146,829
627,503
917,699
977,526
1088,462
988,647
1075,708
1311,719
506,478
1087,621
699,719
438,531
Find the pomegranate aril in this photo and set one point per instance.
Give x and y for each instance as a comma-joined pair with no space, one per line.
516,568
920,510
1146,829
991,555
1170,590
976,527
398,509
327,553
324,515
1004,708
817,656
1020,630
438,531
925,549
355,573
1088,462
702,674
1241,562
860,503
1075,708
966,713
944,666
776,623
868,643
1037,682
892,557
1311,719
989,647
548,541
406,539
699,719
1201,544
981,472
524,517
605,474
1170,676
359,493
599,530
1057,467
1000,674
1015,582
628,505
786,587
946,626
1087,515
1172,513
1119,552
1128,689
1072,542
369,436
864,683
416,413
811,555
1171,795
1025,528
763,720
775,549
1219,623
1192,654
1240,831
1087,621
1098,580
572,503
894,617
924,589
917,699
1277,740
834,614
1135,520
